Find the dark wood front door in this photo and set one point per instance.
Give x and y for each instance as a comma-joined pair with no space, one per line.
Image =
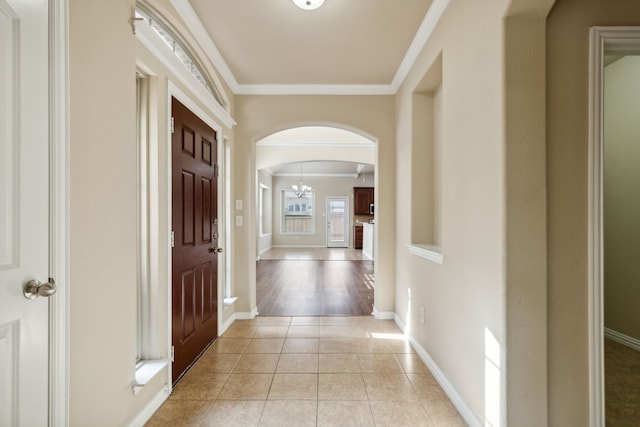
195,228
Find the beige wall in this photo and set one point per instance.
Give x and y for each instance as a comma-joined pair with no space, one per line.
621,196
259,116
525,214
103,215
103,212
463,298
567,175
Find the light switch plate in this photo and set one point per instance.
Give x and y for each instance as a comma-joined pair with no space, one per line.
239,220
239,204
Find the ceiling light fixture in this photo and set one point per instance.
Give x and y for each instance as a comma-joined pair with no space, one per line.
308,4
301,190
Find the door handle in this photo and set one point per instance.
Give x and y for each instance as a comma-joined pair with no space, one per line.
216,249
35,288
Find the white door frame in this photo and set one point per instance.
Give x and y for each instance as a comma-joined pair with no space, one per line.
59,211
618,41
347,215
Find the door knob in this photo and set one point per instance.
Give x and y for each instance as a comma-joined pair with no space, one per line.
35,288
216,249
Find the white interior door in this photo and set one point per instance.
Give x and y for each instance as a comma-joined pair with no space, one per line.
337,222
24,211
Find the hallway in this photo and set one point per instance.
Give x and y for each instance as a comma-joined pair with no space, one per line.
309,371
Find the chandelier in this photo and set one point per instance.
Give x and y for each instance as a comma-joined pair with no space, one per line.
301,191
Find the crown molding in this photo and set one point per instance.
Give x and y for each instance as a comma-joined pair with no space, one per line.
190,18
314,89
425,30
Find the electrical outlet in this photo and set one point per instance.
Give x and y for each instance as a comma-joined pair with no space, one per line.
421,314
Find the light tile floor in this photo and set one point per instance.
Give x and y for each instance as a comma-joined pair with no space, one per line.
309,371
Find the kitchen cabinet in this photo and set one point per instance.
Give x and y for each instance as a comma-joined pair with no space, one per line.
362,200
357,237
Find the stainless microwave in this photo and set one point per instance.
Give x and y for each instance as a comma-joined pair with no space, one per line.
371,209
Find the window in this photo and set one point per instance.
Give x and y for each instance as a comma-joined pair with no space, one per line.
143,291
148,354
297,213
264,210
179,48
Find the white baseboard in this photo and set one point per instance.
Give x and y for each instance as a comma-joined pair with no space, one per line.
245,315
264,250
400,323
154,404
233,317
226,324
383,315
238,315
622,339
444,382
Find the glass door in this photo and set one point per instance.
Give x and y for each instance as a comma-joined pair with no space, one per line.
337,222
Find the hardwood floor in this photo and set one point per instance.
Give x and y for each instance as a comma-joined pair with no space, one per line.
326,254
622,384
294,287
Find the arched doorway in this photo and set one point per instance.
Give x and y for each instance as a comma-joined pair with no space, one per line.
299,270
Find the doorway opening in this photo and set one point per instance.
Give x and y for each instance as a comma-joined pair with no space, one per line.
337,222
614,234
308,258
195,236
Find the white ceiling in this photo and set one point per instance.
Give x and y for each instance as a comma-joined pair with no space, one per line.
265,46
344,42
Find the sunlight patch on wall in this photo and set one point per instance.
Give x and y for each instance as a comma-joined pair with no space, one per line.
491,380
407,319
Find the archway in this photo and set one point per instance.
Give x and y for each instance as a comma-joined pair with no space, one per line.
335,161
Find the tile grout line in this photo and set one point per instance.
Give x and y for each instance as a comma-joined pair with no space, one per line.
410,366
